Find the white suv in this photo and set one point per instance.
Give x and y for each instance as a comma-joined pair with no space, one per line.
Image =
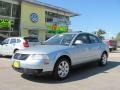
13,44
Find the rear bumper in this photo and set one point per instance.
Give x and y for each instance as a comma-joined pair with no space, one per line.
112,47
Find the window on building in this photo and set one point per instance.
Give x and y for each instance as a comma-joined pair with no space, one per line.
14,10
56,23
33,33
5,8
9,24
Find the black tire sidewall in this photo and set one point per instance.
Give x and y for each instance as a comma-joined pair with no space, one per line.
55,71
101,60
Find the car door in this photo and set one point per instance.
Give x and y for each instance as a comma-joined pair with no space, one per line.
81,53
5,47
12,46
95,47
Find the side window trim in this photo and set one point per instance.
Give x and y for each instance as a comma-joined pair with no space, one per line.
98,41
12,42
7,41
85,34
18,40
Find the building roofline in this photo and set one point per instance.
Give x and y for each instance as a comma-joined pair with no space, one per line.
52,7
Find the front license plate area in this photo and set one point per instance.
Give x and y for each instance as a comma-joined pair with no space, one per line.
16,64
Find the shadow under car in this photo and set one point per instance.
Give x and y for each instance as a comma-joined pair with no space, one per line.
79,73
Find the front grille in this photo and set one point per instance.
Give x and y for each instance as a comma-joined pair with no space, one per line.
19,56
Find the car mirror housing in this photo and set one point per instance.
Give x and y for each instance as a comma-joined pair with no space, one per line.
78,42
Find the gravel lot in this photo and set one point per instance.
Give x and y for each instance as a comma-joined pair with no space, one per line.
88,77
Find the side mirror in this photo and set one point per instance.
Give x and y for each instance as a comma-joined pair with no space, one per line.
78,42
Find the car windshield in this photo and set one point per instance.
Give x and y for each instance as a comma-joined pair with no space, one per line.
62,39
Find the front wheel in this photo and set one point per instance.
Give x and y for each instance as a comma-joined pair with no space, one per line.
103,60
61,69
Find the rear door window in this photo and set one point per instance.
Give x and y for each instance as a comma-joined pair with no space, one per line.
18,40
13,41
93,39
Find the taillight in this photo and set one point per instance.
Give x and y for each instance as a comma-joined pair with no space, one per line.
25,44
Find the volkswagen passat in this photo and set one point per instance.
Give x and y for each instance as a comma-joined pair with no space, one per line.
60,53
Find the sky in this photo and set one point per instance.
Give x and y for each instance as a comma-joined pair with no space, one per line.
94,15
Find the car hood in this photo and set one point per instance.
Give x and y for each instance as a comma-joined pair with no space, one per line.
43,49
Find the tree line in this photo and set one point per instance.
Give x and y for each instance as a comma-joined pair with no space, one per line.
100,33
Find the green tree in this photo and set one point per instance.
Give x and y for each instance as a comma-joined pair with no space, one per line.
100,33
118,37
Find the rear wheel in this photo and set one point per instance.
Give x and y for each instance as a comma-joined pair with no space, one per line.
103,60
115,48
110,49
61,69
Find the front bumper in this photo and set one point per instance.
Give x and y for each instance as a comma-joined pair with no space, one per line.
28,71
32,66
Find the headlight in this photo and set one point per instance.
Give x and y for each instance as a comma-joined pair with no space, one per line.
39,56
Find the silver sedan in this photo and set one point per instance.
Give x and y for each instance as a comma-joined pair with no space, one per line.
60,53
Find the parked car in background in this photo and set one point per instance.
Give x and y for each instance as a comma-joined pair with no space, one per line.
10,45
60,53
112,44
118,44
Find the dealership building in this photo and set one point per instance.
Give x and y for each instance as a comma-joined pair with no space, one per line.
32,18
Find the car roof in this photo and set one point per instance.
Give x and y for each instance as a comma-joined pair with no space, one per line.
79,32
72,33
20,37
14,37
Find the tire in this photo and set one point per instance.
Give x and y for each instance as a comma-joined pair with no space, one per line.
115,48
110,49
61,69
103,60
0,55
